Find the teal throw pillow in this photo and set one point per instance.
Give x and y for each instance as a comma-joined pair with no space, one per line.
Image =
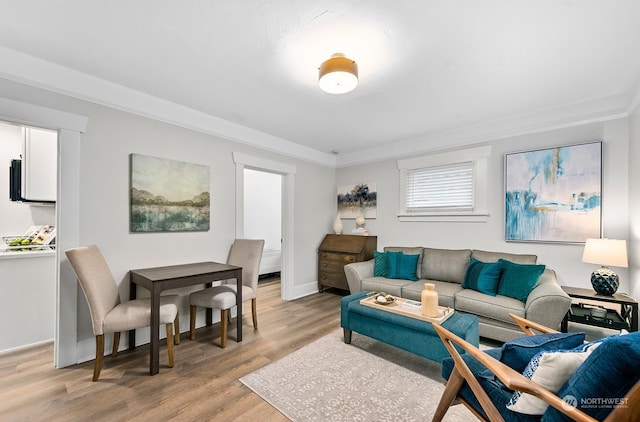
482,277
517,280
403,266
380,264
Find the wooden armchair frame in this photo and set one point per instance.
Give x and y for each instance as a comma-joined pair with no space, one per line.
512,380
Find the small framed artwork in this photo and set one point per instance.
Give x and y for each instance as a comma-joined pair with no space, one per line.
358,199
168,195
554,194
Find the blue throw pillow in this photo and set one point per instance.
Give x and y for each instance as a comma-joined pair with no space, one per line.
403,266
517,353
604,379
380,264
482,276
517,280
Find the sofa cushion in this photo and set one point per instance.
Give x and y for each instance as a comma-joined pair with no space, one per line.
605,378
517,280
445,264
486,256
518,353
403,266
492,307
483,276
409,250
380,264
446,291
383,284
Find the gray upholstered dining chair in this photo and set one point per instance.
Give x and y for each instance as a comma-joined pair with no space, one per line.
108,313
245,253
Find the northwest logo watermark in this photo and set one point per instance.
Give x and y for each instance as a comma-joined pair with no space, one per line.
571,402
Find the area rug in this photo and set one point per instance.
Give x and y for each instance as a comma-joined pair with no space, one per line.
366,380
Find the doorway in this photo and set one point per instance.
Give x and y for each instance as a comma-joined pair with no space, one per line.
286,173
263,216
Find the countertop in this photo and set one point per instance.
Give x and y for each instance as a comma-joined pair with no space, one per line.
9,254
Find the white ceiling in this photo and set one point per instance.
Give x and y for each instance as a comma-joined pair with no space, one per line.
433,73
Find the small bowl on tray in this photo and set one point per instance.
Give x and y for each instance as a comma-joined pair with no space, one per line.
388,299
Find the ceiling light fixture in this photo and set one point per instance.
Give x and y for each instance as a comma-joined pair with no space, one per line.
338,75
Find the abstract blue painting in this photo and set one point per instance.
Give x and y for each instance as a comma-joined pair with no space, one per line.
554,194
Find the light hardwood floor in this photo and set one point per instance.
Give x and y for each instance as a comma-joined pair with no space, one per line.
203,384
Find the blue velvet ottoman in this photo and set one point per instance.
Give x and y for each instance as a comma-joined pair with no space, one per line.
410,334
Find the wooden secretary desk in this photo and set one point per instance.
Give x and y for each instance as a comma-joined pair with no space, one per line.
338,250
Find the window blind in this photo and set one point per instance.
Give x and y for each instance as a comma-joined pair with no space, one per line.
442,188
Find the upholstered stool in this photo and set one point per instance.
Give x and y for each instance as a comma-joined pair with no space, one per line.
410,334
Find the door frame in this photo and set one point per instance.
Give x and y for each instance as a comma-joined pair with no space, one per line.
70,127
288,173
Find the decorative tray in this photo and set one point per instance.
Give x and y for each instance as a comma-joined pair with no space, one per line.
397,307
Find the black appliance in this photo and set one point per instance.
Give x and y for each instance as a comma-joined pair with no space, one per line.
15,180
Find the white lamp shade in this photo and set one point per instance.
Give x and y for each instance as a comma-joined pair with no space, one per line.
607,252
338,75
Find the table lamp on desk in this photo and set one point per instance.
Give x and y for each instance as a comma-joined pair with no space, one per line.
605,252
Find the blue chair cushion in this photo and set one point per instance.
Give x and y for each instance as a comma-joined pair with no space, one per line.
496,391
518,353
603,380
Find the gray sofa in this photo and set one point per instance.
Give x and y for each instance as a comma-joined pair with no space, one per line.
547,303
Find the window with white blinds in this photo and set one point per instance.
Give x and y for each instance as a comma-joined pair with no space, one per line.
441,188
446,186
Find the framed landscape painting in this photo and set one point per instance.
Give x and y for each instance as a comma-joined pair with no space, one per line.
554,194
168,195
358,199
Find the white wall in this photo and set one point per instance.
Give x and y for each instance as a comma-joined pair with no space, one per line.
263,215
564,258
263,207
111,136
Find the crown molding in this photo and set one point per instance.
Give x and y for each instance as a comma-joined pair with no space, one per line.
29,70
597,110
36,72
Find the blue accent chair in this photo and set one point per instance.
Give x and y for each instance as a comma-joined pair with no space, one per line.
606,386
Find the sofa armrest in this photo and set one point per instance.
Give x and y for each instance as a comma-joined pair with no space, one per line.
547,303
356,272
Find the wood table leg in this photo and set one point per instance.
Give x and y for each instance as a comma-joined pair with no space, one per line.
132,333
154,353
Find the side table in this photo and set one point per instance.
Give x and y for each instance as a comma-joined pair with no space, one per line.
627,318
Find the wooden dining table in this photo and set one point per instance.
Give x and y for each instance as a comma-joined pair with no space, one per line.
159,279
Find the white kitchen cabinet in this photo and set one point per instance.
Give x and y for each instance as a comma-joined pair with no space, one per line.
39,164
27,299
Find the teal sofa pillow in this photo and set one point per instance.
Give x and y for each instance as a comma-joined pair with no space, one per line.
403,266
483,276
380,264
517,280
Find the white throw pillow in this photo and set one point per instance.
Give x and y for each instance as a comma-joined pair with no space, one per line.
549,370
